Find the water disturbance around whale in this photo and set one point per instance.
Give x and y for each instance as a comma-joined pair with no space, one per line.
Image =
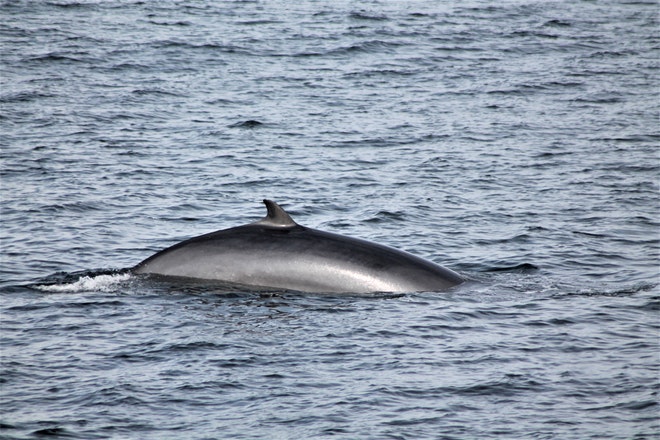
276,252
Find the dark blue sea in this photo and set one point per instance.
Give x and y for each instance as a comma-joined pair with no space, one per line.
516,142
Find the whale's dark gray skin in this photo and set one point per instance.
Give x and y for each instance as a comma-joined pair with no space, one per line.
276,252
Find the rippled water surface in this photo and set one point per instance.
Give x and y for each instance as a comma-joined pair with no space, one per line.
515,142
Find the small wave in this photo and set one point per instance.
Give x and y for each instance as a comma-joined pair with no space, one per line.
387,216
160,92
371,46
557,23
618,292
87,283
250,123
57,57
362,15
519,268
26,96
257,22
72,5
171,23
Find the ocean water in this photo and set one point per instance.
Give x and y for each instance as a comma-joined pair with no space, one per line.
515,142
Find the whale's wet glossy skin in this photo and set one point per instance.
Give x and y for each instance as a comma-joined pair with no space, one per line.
276,252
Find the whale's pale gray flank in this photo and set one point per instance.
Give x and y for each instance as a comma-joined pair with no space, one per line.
276,252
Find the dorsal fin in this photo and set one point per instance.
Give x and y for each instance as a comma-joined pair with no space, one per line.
276,216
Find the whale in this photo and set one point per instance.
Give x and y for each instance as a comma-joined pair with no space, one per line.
278,253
